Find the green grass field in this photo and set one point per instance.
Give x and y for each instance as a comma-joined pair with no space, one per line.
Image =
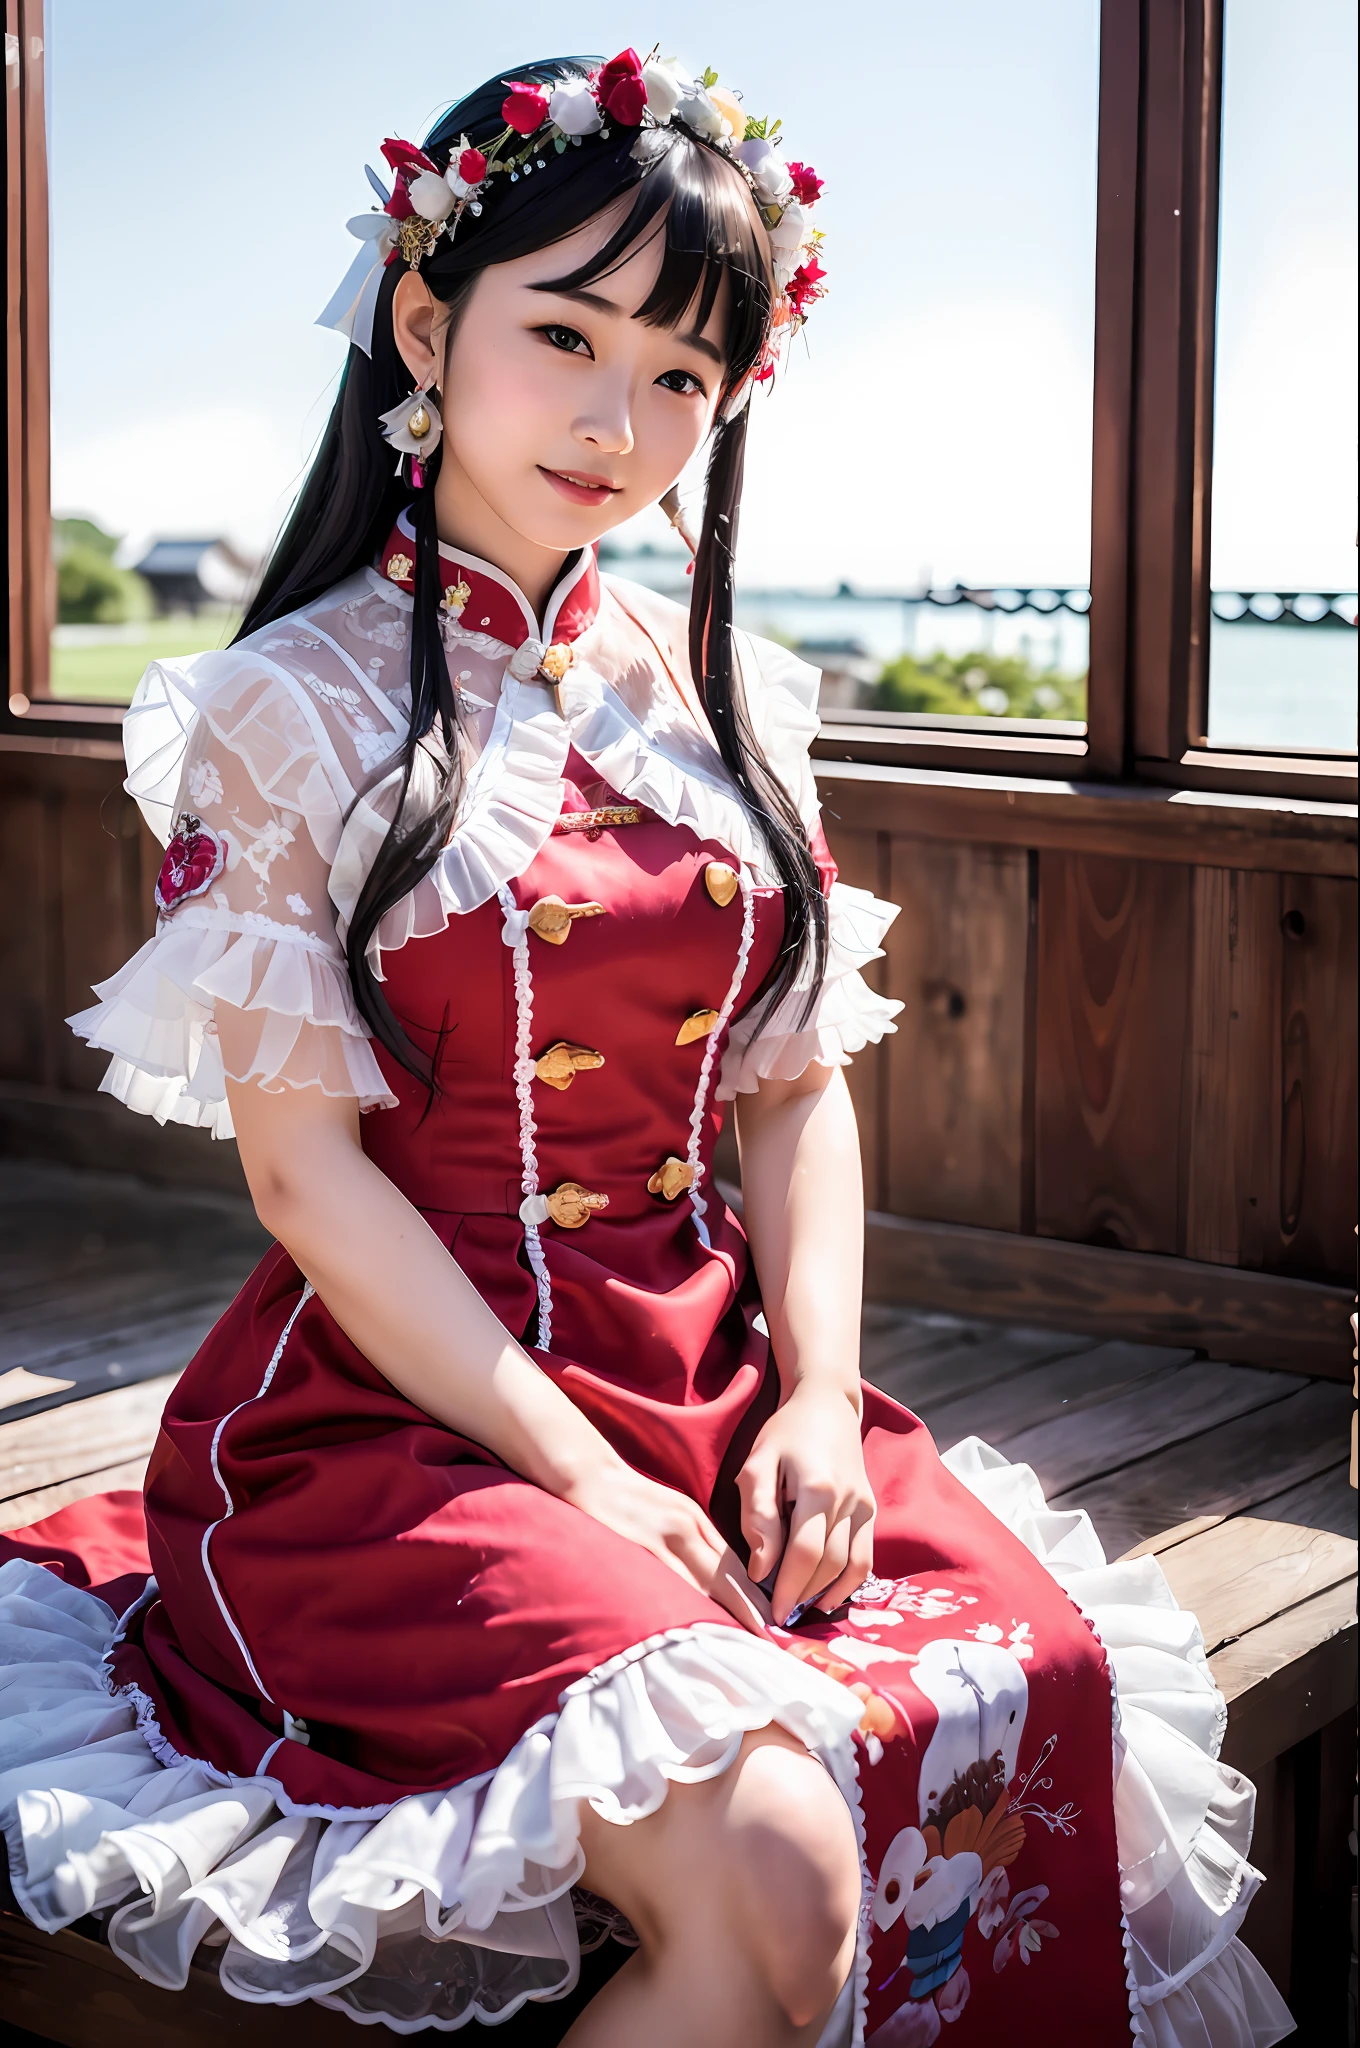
108,671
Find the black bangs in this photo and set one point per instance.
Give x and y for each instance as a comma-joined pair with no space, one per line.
699,205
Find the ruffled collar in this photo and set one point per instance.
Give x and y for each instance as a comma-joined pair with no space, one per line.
482,599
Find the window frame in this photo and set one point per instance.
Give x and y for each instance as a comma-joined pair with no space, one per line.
1156,276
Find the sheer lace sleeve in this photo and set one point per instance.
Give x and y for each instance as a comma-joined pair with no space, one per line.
245,772
845,1014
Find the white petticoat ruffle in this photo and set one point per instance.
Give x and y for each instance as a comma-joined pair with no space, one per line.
1183,1820
156,1016
446,1907
455,1905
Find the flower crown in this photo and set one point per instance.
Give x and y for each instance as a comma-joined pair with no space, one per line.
543,121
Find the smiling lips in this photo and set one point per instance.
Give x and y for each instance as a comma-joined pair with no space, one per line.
580,489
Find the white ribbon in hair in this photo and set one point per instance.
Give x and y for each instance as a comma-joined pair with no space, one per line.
351,308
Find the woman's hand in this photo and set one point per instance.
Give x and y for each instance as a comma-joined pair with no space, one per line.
806,1502
674,1529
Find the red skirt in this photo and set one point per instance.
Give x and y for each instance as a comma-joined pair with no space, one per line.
363,1611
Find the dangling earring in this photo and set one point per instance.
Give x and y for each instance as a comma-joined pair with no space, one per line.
413,427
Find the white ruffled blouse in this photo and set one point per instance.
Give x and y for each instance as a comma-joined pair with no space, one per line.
286,746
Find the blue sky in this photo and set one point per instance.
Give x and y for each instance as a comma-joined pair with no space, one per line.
205,160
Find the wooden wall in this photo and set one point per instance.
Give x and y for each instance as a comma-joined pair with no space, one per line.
1132,1055
1121,1095
1135,1054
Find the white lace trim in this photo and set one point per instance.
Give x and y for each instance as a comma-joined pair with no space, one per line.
94,1822
533,1210
230,1505
156,1015
847,1015
1182,1819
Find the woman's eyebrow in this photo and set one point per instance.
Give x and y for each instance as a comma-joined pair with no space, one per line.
704,346
594,300
599,304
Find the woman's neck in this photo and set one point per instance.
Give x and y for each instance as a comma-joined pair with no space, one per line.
465,520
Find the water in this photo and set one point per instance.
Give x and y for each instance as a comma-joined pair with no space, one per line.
1271,685
1282,686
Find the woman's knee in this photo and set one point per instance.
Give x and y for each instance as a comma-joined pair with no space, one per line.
757,1868
792,1875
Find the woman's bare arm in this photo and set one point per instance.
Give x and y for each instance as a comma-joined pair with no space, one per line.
413,1313
806,1500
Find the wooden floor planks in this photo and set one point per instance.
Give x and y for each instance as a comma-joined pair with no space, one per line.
1231,1469
105,1280
81,1441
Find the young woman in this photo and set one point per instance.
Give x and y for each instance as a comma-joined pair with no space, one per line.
530,1565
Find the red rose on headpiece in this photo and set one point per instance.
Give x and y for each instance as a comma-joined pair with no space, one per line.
526,109
404,156
472,166
620,90
807,186
805,285
408,162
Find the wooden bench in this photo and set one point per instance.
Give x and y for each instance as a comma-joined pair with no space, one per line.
1235,1477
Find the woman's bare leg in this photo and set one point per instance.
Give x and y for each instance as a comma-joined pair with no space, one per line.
744,1891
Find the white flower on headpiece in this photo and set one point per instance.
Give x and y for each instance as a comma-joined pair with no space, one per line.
702,114
769,172
792,229
431,196
666,86
574,108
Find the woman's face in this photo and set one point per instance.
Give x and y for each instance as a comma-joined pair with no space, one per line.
563,414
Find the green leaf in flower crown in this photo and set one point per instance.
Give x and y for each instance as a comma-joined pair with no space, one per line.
709,78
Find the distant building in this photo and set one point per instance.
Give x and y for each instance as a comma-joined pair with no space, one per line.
849,671
186,575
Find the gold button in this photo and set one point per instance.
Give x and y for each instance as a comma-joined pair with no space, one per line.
571,1205
557,660
698,1025
561,1063
721,882
552,919
671,1179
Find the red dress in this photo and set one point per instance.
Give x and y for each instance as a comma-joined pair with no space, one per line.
375,1670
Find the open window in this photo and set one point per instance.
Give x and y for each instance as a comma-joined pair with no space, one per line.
1082,515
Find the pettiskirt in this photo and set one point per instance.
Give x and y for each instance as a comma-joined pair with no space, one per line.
459,1905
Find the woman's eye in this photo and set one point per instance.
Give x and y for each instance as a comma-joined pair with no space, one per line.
683,381
567,339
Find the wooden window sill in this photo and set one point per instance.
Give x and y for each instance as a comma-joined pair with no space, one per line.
1207,828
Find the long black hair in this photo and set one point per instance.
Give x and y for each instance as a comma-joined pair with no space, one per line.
684,191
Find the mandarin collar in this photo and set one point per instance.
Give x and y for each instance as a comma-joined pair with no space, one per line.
485,600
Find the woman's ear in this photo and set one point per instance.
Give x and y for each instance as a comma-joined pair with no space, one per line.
413,327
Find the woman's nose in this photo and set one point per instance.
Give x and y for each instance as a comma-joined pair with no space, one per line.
609,425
